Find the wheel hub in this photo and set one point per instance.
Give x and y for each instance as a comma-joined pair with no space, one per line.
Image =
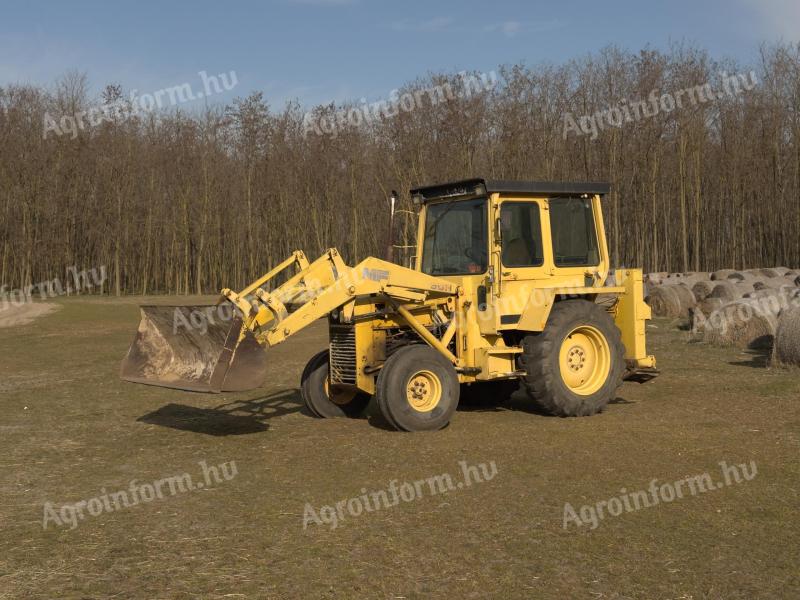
424,391
585,360
576,358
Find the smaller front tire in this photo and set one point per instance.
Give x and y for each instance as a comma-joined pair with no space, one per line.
323,399
417,389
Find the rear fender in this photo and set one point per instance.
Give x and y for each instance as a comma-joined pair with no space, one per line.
537,309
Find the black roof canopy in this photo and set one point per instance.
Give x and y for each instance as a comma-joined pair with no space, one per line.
471,187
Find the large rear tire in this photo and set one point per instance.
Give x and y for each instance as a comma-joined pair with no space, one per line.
417,389
324,400
575,366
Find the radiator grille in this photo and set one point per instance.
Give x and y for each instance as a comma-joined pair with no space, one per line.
343,355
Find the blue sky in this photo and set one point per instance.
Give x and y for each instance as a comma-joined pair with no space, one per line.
323,50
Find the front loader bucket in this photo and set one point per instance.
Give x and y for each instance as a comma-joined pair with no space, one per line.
193,348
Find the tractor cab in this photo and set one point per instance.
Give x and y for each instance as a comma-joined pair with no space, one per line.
513,231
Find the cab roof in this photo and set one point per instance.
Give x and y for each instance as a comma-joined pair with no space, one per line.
479,187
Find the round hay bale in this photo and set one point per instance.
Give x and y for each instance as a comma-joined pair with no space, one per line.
774,282
725,290
774,300
698,315
769,273
702,289
709,305
781,271
673,279
721,275
787,338
664,301
688,280
686,298
743,323
743,287
743,277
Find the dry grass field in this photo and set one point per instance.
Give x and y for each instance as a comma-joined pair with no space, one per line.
70,430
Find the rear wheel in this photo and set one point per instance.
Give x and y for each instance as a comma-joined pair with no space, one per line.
325,400
417,389
575,366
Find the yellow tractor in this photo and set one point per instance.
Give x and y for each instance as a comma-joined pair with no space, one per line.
510,284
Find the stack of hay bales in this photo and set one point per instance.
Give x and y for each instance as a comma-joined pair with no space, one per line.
751,308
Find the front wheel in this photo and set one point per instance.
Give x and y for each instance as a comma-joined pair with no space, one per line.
575,366
325,400
417,389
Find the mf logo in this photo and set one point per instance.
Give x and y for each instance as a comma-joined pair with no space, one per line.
374,274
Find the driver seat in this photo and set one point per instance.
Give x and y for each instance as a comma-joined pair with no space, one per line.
517,253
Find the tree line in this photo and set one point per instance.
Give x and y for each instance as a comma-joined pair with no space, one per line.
703,155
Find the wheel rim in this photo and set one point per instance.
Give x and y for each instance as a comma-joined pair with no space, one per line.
338,395
424,391
585,360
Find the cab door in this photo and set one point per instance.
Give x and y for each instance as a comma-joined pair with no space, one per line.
578,244
521,259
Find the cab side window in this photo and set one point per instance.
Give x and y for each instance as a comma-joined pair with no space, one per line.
521,233
574,236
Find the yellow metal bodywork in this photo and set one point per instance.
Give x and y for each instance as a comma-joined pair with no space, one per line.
631,314
467,318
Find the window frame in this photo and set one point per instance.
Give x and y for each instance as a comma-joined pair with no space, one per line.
423,236
539,213
597,240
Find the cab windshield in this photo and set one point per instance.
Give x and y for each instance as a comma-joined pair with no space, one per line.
456,239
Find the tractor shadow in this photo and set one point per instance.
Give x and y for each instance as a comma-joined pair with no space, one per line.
240,417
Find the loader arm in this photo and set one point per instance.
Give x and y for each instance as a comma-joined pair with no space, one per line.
328,284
